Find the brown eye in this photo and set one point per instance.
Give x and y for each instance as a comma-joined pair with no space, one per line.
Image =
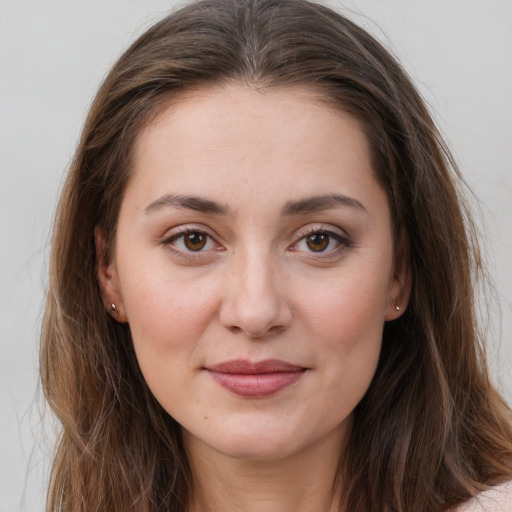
317,242
192,243
195,241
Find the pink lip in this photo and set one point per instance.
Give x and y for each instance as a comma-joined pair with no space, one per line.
256,379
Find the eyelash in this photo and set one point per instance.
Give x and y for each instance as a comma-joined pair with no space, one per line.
170,241
343,242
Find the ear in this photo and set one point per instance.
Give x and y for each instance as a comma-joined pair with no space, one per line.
401,282
108,279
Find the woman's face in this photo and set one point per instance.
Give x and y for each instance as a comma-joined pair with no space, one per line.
254,263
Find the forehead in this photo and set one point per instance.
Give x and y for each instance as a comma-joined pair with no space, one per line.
225,140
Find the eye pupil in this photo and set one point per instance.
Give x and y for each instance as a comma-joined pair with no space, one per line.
195,241
317,242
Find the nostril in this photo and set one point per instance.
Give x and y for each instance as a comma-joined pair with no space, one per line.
257,334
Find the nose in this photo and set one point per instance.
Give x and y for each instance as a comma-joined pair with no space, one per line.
254,300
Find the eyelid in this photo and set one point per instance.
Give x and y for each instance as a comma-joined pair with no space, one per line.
328,229
320,226
180,231
338,234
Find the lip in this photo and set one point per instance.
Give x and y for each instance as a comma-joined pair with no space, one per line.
255,379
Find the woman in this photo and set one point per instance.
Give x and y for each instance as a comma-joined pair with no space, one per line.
261,289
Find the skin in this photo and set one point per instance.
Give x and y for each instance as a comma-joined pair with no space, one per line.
258,288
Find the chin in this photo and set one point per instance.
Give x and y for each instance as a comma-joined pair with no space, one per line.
248,442
258,450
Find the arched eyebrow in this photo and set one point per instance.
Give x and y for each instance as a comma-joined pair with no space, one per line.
320,203
198,204
302,206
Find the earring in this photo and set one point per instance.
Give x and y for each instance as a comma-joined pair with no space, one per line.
397,307
113,308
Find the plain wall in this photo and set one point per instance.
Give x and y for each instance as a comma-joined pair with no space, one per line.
53,55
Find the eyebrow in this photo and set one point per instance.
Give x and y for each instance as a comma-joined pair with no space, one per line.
302,206
320,203
198,204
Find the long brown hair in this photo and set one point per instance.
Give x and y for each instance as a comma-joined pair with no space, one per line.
431,431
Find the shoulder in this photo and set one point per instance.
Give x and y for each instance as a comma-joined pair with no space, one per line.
497,499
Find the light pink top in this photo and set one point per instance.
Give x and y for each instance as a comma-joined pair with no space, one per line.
497,499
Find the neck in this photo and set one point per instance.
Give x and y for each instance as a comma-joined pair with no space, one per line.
302,482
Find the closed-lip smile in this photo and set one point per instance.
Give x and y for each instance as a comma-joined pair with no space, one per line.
255,379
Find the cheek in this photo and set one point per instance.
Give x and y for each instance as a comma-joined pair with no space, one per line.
168,321
349,311
346,322
166,314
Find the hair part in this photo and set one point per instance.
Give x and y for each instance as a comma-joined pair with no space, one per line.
431,431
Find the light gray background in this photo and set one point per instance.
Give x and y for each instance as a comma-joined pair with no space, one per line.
53,55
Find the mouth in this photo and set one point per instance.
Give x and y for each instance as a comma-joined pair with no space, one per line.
256,379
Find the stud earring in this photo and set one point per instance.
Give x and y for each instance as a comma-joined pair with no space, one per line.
397,307
113,308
